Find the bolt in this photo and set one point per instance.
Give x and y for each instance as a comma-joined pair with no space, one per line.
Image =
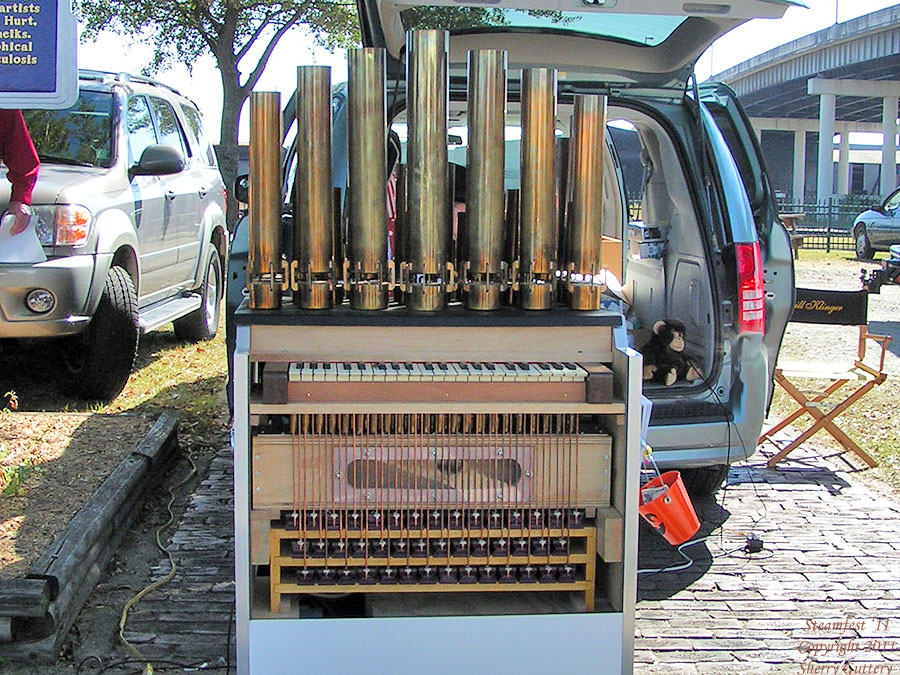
337,474
500,453
528,473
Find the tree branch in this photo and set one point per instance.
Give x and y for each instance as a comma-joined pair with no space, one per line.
257,71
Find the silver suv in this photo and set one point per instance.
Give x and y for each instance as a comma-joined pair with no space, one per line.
130,210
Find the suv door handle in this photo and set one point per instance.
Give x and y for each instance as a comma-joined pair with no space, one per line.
203,191
170,195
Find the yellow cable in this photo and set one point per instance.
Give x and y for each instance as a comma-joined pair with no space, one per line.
148,669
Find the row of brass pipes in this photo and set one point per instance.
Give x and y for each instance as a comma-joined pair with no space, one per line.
422,268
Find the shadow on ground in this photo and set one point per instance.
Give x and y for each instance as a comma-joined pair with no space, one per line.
36,371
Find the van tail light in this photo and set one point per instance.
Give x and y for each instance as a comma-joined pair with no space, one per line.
751,290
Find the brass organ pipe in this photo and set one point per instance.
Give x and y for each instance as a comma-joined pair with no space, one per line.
484,177
264,275
428,198
586,225
313,212
367,233
538,227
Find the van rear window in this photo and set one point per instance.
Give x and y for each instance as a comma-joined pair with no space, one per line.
649,30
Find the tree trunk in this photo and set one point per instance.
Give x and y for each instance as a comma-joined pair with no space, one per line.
233,99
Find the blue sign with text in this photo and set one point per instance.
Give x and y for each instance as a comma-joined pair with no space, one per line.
37,53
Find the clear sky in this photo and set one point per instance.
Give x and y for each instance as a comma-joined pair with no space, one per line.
755,37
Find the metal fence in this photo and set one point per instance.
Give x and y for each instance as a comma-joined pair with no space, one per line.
823,226
813,226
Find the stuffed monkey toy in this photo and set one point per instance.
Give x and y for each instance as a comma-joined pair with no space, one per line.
664,358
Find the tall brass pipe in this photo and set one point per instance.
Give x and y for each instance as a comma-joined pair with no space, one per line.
264,273
586,224
428,197
538,226
485,194
367,232
314,208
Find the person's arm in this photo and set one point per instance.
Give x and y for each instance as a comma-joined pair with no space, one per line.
22,163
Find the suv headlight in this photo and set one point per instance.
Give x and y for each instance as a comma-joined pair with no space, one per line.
62,224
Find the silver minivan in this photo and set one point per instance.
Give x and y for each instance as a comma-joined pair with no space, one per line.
685,174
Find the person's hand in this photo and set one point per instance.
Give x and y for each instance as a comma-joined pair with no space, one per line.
22,213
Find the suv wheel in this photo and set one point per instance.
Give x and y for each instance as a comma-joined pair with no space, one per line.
704,481
104,357
861,243
202,323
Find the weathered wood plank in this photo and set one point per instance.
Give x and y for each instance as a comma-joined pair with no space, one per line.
24,597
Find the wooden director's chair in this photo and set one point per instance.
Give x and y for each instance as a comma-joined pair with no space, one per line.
843,308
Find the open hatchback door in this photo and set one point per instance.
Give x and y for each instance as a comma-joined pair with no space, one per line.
626,44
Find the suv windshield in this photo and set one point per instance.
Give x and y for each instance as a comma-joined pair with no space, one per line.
633,28
80,135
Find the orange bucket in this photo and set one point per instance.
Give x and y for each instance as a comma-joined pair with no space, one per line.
671,513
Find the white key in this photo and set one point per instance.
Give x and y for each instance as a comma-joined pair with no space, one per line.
429,372
343,372
545,370
559,372
491,373
535,374
440,371
464,372
331,372
379,371
508,372
366,372
390,373
294,372
355,372
456,374
318,372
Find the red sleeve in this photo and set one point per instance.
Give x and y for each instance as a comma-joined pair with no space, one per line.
18,153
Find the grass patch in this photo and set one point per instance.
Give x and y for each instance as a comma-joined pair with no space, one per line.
188,378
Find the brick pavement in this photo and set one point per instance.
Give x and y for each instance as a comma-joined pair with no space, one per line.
832,553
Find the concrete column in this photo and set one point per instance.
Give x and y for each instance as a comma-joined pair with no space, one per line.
799,187
843,175
825,171
889,145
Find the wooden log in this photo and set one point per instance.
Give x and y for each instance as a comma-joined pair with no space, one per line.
24,597
72,565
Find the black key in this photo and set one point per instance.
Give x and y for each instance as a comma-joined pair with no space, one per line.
463,366
490,366
543,366
478,367
381,366
570,366
429,366
522,366
443,366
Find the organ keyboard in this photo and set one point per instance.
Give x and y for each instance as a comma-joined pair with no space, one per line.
441,381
